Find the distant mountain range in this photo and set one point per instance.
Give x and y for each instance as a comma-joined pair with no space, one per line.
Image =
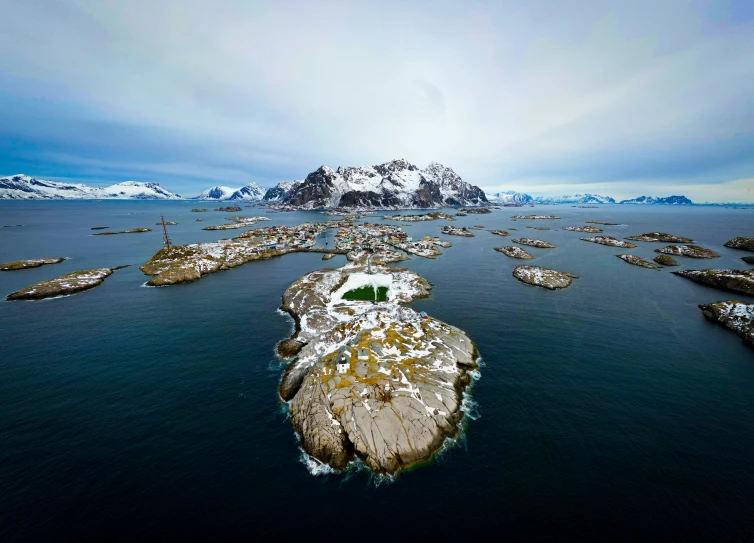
395,184
513,197
23,187
251,192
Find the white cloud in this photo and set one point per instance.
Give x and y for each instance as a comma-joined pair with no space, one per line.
511,94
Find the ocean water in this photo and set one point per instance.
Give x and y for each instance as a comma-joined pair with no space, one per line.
609,409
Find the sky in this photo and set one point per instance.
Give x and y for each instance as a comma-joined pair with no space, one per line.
615,98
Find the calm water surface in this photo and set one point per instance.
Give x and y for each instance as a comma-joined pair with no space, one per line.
612,408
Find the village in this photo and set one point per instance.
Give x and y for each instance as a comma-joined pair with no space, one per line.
349,238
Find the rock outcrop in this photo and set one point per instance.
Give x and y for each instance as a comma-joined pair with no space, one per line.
734,315
639,261
748,259
603,223
65,285
503,233
610,241
514,252
745,244
131,231
31,263
587,229
543,277
693,251
666,260
478,211
534,217
432,216
373,379
735,280
660,236
538,243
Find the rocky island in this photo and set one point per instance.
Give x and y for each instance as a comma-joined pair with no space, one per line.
745,244
735,280
603,223
534,217
478,211
167,223
660,236
610,241
131,231
666,260
538,243
433,216
503,233
65,285
734,315
240,222
586,229
748,259
543,277
639,261
230,209
202,210
372,379
453,231
31,263
514,252
692,251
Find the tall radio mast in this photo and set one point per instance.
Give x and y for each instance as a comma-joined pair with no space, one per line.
165,236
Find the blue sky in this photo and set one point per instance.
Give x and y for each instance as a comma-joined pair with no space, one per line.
618,98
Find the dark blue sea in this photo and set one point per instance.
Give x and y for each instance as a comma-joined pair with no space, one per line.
611,409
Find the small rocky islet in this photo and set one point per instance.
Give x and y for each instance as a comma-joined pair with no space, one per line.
692,251
538,243
514,252
666,260
610,242
432,216
535,217
734,315
454,231
503,233
372,379
478,211
734,280
639,261
30,263
604,223
585,229
748,259
543,277
65,285
745,244
131,231
660,236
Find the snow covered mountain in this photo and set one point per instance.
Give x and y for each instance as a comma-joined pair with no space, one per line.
509,197
251,192
23,187
575,199
281,189
395,184
654,200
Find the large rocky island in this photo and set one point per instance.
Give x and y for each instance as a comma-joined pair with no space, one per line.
372,379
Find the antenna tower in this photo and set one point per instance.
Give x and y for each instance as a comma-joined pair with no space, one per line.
165,236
